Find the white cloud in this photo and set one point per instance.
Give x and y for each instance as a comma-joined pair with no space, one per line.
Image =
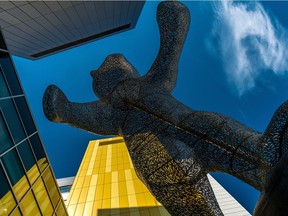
250,42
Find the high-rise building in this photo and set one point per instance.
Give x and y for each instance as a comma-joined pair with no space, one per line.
106,184
27,182
35,29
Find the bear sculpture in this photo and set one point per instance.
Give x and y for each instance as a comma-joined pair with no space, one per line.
172,146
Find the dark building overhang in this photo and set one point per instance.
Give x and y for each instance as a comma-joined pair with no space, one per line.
35,29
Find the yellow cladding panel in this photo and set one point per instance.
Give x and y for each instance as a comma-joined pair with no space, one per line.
107,184
71,209
88,208
83,195
91,194
79,209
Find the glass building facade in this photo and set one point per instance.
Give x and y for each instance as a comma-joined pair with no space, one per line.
27,182
106,184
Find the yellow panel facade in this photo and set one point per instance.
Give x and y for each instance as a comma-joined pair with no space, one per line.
106,184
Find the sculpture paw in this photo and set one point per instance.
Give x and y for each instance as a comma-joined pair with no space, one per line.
54,103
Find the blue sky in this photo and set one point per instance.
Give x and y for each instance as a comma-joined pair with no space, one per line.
234,62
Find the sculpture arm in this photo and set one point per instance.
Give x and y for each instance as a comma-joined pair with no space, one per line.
95,117
173,19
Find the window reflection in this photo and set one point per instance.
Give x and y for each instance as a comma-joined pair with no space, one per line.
42,197
5,138
28,161
25,114
12,119
51,186
10,74
7,202
39,152
4,92
16,212
28,205
16,173
61,210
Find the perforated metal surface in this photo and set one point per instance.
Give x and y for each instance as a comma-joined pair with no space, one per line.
172,146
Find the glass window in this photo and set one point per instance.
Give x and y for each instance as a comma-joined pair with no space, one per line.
28,161
61,210
5,138
4,92
12,119
39,151
10,74
65,189
7,202
42,197
16,173
25,114
16,212
51,186
29,206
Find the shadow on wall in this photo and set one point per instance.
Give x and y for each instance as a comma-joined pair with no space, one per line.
147,210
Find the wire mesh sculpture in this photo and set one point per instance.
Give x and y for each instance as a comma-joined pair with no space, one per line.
172,146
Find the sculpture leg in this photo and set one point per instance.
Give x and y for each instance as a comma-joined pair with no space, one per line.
274,196
275,138
175,179
94,117
273,200
184,199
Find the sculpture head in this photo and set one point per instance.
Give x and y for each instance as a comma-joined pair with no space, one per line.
113,70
